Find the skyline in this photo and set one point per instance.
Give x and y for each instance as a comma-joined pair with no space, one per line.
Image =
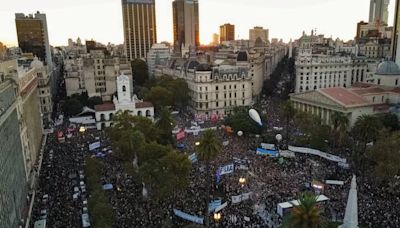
101,20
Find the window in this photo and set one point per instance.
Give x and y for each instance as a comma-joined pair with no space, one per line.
139,113
216,88
216,96
234,86
123,88
243,86
216,104
373,99
397,81
379,81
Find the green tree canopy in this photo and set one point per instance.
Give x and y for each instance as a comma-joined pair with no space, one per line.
389,121
240,120
385,155
93,101
140,72
72,107
165,125
160,97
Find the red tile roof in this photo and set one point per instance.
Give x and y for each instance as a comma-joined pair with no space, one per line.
362,91
104,107
345,96
143,105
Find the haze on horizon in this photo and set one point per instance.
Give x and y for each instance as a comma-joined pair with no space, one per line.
101,20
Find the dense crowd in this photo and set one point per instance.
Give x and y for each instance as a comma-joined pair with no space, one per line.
61,199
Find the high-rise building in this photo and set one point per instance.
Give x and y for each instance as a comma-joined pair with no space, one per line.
259,32
378,11
33,36
215,39
186,23
226,32
140,32
396,34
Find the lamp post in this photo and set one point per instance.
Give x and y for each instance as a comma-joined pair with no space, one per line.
217,218
242,181
197,144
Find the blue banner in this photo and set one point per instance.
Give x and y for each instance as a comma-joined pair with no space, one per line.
214,205
188,217
94,145
271,153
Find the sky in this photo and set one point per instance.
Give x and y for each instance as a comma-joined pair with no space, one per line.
101,20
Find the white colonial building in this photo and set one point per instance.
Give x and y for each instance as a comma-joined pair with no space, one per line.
123,102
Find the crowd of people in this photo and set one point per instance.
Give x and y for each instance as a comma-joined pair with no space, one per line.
62,200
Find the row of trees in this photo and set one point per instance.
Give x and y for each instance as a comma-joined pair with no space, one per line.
373,140
99,207
166,92
148,148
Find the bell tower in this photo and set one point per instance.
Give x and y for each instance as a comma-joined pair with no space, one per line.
124,89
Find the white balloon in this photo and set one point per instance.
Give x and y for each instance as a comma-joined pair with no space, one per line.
255,116
240,133
279,137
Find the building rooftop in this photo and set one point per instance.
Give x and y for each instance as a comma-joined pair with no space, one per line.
344,96
143,104
104,107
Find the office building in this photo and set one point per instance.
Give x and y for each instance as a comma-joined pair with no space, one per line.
226,32
378,11
395,53
259,32
140,32
159,54
186,30
12,176
33,36
215,39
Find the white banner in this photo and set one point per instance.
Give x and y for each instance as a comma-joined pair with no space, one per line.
227,169
319,153
242,197
221,207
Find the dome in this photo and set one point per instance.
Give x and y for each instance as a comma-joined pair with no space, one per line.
242,56
203,67
36,63
192,65
388,68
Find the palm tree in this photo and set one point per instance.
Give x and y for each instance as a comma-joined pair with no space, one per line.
288,112
306,214
365,130
165,124
340,124
208,150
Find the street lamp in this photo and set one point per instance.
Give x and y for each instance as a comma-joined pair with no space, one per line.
217,216
197,144
242,181
82,129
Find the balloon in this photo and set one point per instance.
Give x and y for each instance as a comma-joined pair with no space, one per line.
240,133
278,137
255,116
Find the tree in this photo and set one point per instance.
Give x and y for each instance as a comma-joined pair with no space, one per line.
208,150
164,170
165,125
149,130
160,97
126,140
140,72
306,214
72,107
340,124
389,121
93,101
240,120
288,111
365,130
385,155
